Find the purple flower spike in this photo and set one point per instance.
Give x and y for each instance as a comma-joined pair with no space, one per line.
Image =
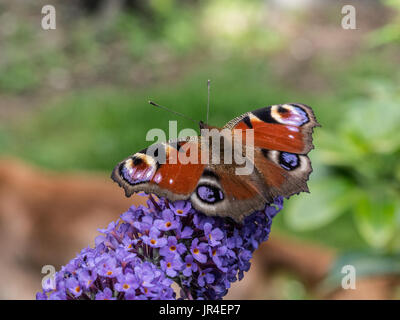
141,254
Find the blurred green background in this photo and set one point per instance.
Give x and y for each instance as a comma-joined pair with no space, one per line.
75,98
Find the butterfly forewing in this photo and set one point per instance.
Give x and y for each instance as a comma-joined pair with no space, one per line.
164,175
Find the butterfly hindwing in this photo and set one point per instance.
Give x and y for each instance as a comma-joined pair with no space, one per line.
222,193
283,173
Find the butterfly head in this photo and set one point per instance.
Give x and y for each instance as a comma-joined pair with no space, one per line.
204,125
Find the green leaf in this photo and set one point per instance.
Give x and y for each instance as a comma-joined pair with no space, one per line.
375,217
329,197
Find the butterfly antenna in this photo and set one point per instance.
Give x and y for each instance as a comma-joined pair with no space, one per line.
175,112
208,98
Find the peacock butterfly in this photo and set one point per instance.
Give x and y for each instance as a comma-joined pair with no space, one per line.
282,138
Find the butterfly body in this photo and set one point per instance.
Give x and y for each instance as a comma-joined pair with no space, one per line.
282,137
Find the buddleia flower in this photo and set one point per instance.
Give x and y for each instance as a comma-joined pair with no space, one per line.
142,253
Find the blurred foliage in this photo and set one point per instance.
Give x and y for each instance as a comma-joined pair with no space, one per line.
361,171
254,57
389,34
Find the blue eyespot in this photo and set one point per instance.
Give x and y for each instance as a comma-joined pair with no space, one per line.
209,194
289,161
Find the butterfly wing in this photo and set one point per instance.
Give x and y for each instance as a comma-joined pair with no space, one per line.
285,127
222,193
162,169
282,139
221,190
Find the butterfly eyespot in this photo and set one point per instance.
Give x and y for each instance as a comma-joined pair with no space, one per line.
289,161
289,114
138,169
209,194
282,110
137,161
